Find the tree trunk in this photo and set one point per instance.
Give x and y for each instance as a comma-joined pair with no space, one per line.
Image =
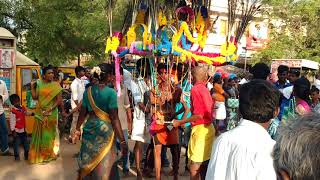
79,56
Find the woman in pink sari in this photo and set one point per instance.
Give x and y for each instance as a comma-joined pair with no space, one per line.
301,92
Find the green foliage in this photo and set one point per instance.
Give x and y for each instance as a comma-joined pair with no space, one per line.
14,16
58,31
93,62
295,30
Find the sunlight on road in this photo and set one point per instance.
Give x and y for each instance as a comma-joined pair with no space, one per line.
64,168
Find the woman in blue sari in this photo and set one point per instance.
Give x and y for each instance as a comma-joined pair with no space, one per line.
97,158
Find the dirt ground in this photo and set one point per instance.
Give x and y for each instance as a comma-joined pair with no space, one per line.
64,168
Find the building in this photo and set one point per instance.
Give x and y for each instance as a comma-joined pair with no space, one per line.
254,39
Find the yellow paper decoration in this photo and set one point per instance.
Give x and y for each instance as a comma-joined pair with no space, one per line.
147,39
187,54
201,30
131,36
184,28
162,19
112,44
229,51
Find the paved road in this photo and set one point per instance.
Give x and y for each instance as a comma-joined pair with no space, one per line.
62,169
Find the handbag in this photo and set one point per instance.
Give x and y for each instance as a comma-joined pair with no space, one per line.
272,130
289,112
233,103
31,104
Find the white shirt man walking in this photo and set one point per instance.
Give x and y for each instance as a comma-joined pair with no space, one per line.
77,89
244,153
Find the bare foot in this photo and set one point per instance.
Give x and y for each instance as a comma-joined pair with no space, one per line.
147,173
171,173
185,173
139,175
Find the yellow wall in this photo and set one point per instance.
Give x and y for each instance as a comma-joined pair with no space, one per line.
21,91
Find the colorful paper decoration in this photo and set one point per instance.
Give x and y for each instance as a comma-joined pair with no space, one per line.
131,36
182,43
229,51
112,44
162,19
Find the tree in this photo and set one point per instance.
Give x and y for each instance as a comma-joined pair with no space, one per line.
295,30
58,31
14,17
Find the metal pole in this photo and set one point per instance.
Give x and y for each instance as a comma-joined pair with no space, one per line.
245,59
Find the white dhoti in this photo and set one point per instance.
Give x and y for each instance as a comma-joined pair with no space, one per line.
139,127
220,109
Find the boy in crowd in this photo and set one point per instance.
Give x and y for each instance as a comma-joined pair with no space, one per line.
260,71
219,95
293,75
17,126
315,98
285,87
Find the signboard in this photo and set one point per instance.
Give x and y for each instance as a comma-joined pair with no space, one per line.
289,63
294,63
258,36
5,75
6,58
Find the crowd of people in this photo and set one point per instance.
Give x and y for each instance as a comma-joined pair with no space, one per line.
231,128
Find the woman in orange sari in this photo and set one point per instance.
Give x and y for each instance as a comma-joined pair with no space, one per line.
97,157
44,145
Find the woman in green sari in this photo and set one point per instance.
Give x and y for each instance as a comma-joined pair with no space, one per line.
44,145
97,158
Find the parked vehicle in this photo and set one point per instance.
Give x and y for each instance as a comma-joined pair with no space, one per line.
17,72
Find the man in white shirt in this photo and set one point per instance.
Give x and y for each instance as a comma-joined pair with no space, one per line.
244,153
125,117
4,148
139,132
77,89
